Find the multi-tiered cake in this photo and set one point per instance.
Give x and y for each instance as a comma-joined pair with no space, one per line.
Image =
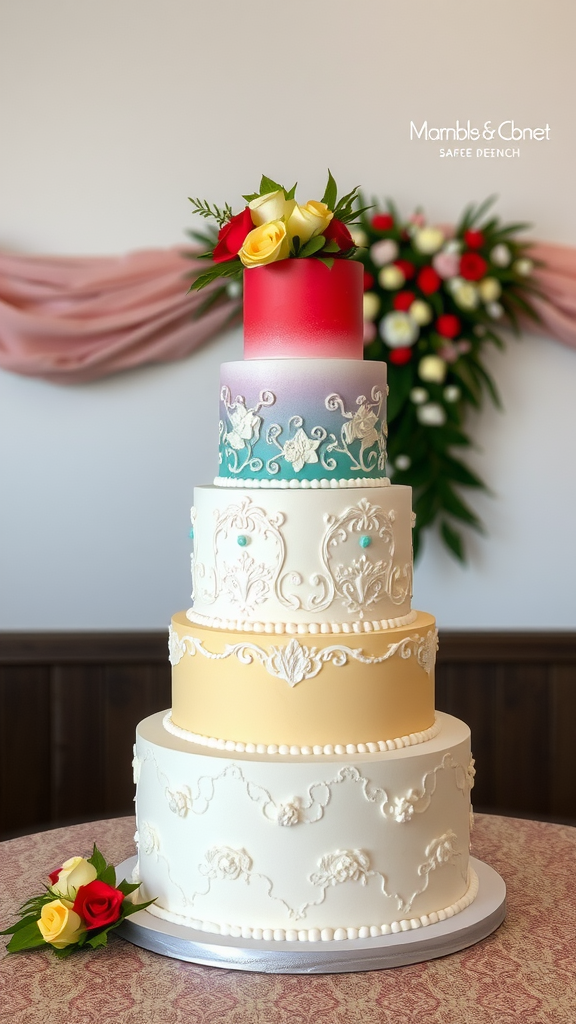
302,786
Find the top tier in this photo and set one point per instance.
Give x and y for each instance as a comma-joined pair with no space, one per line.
302,308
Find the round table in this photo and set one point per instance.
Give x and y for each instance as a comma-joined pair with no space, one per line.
525,971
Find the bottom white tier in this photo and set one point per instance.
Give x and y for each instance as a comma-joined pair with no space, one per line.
304,848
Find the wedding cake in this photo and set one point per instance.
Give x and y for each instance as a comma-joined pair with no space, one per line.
302,786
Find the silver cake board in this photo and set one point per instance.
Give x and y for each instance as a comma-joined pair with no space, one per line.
468,927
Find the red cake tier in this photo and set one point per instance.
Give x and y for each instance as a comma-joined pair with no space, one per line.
295,308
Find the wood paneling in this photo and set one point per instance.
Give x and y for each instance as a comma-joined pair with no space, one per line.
69,705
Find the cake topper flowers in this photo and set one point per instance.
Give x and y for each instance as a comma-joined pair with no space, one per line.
274,226
79,907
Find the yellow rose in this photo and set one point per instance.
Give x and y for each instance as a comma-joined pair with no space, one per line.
432,369
370,305
59,924
265,244
421,312
74,872
490,289
428,239
391,277
272,206
309,220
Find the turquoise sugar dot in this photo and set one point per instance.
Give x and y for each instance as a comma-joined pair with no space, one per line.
365,541
242,540
191,534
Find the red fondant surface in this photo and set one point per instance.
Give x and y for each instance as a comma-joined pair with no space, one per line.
525,972
297,308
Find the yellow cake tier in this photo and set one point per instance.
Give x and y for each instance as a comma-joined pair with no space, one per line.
309,691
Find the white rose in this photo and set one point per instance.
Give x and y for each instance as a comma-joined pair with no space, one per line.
398,329
419,395
452,393
495,310
391,277
403,462
500,255
272,206
524,267
431,415
489,289
428,240
383,252
432,369
75,871
466,295
359,237
420,312
370,305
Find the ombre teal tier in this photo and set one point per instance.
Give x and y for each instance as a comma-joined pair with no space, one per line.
290,421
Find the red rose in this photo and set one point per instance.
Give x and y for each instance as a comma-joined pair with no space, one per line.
448,325
368,281
231,236
53,876
474,239
382,222
407,268
98,904
403,301
338,232
428,280
399,356
472,266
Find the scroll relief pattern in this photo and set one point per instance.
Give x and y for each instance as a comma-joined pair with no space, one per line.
182,799
356,582
295,662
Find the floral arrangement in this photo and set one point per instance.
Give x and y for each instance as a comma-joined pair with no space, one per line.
79,908
432,302
273,226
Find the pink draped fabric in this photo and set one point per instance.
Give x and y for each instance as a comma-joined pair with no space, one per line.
70,320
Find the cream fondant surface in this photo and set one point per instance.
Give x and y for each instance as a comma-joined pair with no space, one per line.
258,842
293,556
305,690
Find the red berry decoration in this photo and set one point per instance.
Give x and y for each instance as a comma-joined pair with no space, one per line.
382,222
368,281
407,268
338,232
403,300
428,280
473,266
448,325
400,356
474,239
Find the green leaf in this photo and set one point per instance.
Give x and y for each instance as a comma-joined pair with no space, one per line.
400,379
292,192
312,245
108,876
331,246
133,908
456,507
457,471
330,196
267,186
97,860
329,262
251,197
453,540
29,937
100,939
127,887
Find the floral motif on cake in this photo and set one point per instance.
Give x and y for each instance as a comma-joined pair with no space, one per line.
288,814
226,863
363,582
179,800
247,582
148,839
364,425
342,866
244,430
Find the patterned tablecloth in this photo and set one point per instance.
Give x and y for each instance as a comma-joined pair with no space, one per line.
526,971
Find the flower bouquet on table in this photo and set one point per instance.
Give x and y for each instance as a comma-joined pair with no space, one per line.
79,908
432,302
273,226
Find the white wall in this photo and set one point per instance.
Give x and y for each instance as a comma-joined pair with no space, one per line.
112,112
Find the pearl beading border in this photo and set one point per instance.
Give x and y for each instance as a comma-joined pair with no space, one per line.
328,934
294,750
283,485
300,628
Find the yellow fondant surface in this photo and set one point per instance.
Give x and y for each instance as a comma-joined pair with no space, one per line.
235,696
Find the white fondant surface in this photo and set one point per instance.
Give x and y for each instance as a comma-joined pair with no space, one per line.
296,845
296,556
